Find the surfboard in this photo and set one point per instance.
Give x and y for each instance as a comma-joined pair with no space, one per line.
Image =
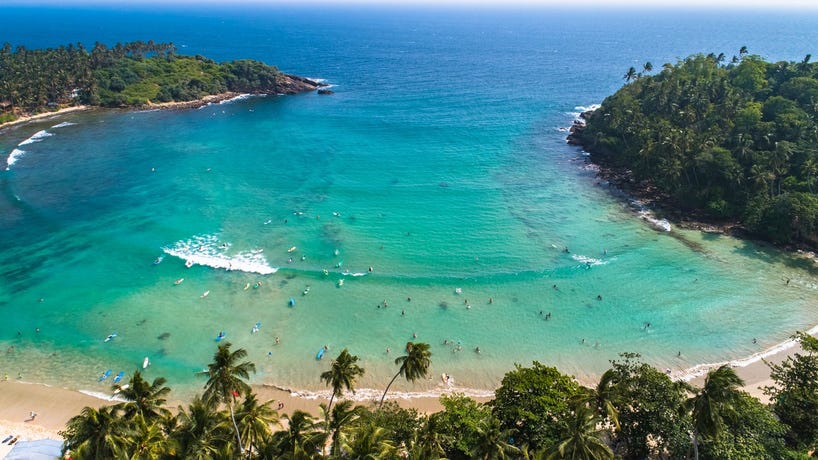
118,376
320,353
146,362
105,375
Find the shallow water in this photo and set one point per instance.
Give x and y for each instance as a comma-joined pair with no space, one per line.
455,188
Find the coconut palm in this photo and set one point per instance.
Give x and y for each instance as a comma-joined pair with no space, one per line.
600,399
225,380
428,440
97,434
713,403
142,398
368,442
342,374
149,442
630,74
255,421
300,440
582,440
492,440
201,431
339,420
414,365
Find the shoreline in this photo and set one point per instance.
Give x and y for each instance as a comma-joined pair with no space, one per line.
56,405
44,115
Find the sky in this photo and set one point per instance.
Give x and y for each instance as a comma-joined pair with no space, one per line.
578,4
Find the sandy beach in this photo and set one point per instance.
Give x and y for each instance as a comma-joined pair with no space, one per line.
41,116
54,406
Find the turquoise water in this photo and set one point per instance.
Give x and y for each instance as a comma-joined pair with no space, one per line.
439,162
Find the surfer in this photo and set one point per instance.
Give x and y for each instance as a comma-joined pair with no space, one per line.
179,281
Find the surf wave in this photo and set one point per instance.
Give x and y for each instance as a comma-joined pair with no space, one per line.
103,396
370,394
209,251
37,137
13,157
63,124
588,261
702,369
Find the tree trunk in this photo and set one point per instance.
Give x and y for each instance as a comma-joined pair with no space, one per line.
695,446
233,418
387,387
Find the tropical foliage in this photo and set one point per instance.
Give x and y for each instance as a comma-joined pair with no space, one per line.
130,74
733,139
636,412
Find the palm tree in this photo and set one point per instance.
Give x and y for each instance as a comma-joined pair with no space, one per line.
255,421
149,442
369,442
342,416
428,440
225,380
630,74
492,440
647,67
97,434
143,399
414,365
600,399
710,405
201,431
342,374
299,441
581,438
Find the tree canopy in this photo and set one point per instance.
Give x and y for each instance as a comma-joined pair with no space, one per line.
736,140
125,75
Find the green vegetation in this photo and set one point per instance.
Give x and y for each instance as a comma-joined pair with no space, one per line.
133,74
733,140
635,412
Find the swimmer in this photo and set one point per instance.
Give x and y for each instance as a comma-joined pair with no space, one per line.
247,286
370,269
477,350
548,315
387,350
277,340
491,300
414,335
679,354
403,312
555,287
754,340
599,297
468,307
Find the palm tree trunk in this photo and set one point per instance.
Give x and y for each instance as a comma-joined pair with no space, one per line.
236,426
387,387
695,446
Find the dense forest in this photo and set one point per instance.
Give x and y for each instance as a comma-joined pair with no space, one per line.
635,412
133,74
731,139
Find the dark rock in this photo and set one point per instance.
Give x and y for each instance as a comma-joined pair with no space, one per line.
326,91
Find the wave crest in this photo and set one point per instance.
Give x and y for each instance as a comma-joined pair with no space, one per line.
209,251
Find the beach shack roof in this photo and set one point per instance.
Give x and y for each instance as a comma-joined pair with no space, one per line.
43,449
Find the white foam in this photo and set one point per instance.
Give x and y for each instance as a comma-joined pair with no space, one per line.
587,260
13,157
702,369
590,108
63,124
103,396
37,137
208,250
373,394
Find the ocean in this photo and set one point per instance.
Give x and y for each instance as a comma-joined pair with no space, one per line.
431,198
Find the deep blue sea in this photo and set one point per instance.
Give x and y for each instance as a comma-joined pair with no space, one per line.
431,198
